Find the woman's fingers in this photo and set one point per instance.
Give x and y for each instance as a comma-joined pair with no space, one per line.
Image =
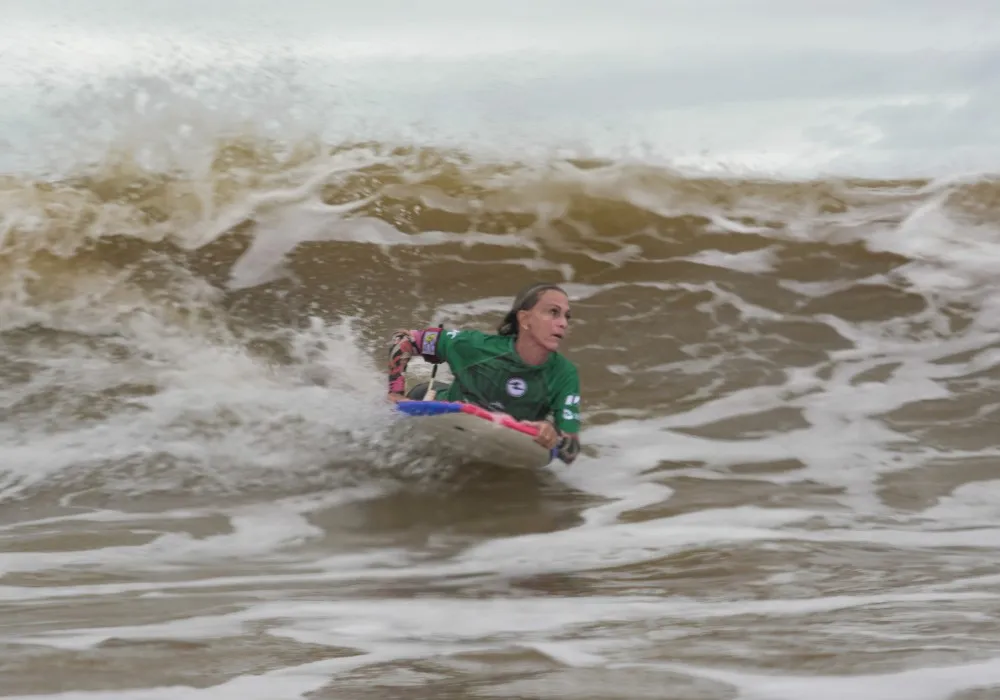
547,436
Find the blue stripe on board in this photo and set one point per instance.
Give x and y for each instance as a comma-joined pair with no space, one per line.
428,408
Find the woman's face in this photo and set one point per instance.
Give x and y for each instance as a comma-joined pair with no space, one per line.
547,322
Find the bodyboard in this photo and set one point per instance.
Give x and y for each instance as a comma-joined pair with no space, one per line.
477,434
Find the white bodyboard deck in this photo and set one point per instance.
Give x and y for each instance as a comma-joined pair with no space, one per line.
475,434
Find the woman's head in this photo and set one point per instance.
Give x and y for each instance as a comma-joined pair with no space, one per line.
541,312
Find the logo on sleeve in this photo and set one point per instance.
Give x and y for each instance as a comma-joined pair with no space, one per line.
430,342
572,408
516,387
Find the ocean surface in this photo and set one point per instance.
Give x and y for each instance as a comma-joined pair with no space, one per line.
779,225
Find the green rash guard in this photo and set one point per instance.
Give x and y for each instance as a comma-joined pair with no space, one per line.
489,373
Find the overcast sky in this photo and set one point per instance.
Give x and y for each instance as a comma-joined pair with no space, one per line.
890,74
453,26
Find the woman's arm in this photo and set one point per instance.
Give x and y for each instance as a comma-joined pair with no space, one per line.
567,445
404,345
566,417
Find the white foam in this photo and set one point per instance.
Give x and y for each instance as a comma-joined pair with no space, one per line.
256,531
501,304
294,683
593,545
972,504
721,297
752,261
933,683
215,410
965,252
373,624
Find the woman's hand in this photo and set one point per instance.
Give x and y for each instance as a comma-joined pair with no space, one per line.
548,436
396,398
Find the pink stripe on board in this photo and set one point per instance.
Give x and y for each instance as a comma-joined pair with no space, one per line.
500,418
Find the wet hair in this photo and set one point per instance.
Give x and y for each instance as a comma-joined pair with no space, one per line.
524,301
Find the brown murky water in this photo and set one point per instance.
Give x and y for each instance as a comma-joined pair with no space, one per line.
788,488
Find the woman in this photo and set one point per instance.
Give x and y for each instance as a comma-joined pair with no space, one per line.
517,371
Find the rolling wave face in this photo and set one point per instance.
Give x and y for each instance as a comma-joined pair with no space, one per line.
773,316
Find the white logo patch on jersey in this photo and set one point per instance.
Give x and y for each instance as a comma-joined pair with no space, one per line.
573,403
516,386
